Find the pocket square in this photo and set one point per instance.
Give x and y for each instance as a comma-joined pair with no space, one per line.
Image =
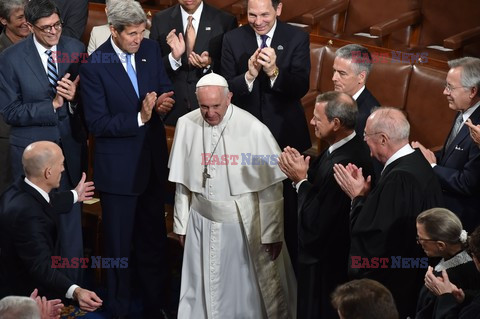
144,60
208,28
280,47
458,148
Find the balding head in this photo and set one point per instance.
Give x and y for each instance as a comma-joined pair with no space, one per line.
16,307
43,164
387,130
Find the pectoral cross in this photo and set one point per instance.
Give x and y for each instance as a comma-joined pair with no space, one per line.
205,176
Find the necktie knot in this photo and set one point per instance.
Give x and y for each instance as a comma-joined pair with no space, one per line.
264,38
49,53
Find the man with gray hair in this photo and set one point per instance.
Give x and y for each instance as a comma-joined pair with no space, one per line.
457,164
126,93
383,217
229,212
351,67
323,208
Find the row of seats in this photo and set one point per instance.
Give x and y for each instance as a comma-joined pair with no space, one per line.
397,79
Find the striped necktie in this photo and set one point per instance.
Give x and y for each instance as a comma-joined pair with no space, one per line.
52,74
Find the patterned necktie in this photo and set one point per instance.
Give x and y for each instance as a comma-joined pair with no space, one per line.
131,74
264,38
190,33
52,74
455,129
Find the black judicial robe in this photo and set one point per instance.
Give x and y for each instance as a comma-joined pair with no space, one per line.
383,225
324,229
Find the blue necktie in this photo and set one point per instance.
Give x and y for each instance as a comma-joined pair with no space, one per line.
131,74
264,38
52,74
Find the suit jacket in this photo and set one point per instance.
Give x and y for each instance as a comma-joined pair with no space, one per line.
124,152
74,16
28,240
383,225
458,170
278,107
365,102
212,26
324,227
26,100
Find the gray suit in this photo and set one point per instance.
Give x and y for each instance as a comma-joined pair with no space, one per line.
26,105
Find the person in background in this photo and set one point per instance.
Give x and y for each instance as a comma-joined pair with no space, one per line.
457,164
364,299
190,52
441,234
74,16
12,16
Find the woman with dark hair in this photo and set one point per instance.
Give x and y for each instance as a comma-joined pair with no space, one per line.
441,234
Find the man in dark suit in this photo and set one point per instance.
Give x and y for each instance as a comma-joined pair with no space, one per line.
267,66
74,17
126,90
383,217
457,164
323,208
28,228
351,67
169,28
38,100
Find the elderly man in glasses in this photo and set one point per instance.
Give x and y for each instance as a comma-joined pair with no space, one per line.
457,164
38,100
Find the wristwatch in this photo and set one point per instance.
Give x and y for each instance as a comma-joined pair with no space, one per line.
275,73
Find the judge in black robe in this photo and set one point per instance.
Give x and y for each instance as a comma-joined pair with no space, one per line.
323,208
383,223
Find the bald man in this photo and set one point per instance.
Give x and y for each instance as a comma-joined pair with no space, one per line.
28,228
383,218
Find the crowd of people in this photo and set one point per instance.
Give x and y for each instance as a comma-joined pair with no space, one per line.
375,226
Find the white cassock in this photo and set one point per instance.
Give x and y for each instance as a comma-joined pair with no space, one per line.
226,272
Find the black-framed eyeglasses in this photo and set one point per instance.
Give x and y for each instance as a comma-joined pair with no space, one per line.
419,239
48,28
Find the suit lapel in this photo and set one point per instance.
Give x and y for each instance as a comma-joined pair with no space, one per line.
278,41
118,73
47,208
141,64
461,135
204,30
32,59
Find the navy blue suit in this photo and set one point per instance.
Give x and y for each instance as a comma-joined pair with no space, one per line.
130,168
26,104
458,170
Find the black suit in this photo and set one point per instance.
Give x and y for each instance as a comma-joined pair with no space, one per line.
28,239
324,229
458,171
365,102
383,225
278,107
74,16
212,26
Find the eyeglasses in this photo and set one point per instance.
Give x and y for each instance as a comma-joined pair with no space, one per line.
424,239
366,135
48,28
449,88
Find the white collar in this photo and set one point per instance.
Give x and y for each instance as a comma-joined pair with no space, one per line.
269,34
404,151
356,95
342,142
466,114
457,260
41,49
38,189
196,16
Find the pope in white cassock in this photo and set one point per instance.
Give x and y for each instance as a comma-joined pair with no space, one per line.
229,212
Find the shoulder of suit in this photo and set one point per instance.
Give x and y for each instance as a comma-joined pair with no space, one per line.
74,44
